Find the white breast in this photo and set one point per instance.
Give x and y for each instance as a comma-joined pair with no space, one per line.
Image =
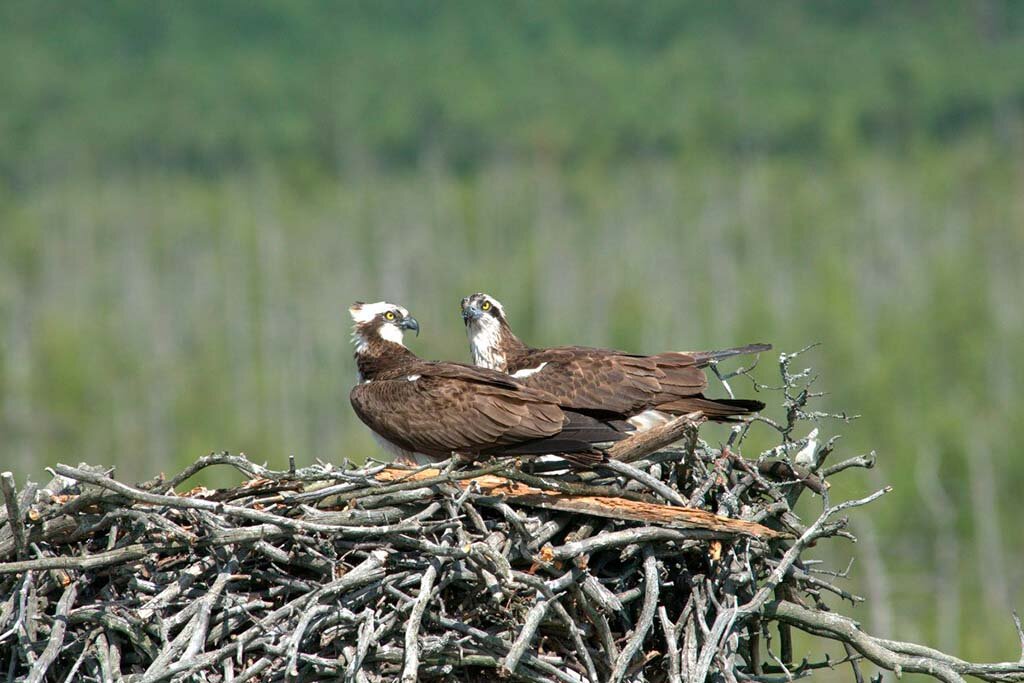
483,344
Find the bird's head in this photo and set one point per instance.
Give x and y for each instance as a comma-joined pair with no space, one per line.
380,321
478,307
490,337
481,311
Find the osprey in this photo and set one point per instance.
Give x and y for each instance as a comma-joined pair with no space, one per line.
425,411
645,390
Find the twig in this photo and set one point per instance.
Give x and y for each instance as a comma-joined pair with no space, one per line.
888,654
14,520
635,642
56,640
410,671
639,445
671,644
522,641
647,480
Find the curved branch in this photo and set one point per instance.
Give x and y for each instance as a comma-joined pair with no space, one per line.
889,654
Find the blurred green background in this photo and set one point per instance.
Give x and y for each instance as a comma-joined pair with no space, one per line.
191,194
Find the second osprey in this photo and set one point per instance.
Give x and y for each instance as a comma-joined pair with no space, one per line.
646,390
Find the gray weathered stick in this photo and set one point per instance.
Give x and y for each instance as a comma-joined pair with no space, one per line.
410,670
636,640
56,640
14,520
530,625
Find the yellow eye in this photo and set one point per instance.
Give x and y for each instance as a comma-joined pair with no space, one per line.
390,315
485,306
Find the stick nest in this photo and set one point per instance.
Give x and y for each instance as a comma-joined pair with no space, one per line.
672,563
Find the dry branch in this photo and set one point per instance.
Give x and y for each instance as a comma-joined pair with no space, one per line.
645,443
669,563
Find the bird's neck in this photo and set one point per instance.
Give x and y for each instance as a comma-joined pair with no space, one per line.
379,358
495,347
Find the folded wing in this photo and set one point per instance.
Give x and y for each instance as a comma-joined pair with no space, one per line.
446,408
608,383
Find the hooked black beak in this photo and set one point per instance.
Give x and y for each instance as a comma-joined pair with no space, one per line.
471,312
410,323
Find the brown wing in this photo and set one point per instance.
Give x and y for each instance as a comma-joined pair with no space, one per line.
683,376
469,373
611,382
439,413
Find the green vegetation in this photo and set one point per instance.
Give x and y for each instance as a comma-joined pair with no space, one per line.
192,193
211,87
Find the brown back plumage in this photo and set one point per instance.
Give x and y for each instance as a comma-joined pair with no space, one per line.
598,381
444,411
437,409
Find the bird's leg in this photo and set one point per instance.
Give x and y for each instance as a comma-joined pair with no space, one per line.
713,365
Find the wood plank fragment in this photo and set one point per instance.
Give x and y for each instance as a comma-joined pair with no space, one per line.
600,506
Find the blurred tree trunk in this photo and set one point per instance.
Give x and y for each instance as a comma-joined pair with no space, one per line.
946,544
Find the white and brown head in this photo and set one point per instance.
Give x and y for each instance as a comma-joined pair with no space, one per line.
490,337
379,325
